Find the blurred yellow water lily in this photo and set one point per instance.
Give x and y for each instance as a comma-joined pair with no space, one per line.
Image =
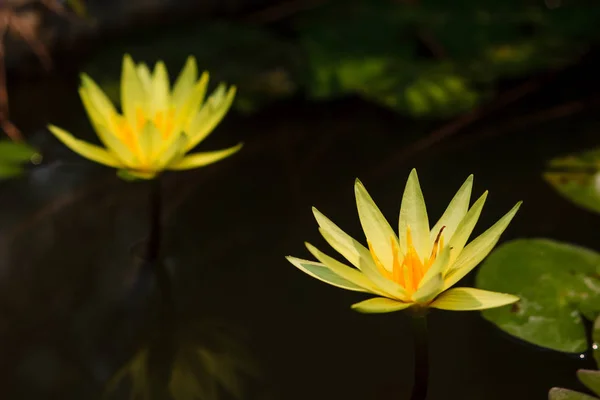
417,267
157,126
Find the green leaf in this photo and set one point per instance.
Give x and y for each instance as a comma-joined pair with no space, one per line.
566,394
556,282
596,341
10,171
16,152
577,178
591,379
12,157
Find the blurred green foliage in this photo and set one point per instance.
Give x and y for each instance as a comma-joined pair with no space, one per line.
557,283
14,156
78,7
577,178
432,58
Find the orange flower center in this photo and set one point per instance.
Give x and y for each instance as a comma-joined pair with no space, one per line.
408,271
164,121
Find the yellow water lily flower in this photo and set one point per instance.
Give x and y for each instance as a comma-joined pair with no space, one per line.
417,267
157,125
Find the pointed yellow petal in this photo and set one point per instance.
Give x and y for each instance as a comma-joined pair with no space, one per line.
102,128
378,305
438,267
133,93
349,274
172,153
201,159
324,274
413,214
116,147
468,299
84,149
149,141
96,117
210,115
160,88
105,110
455,212
478,249
185,82
376,228
465,227
188,107
145,77
429,290
358,255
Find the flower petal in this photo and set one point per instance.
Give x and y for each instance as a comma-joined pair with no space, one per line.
85,149
358,255
160,97
149,140
201,159
376,228
429,290
324,274
413,216
455,212
348,273
145,76
187,110
133,93
468,299
439,266
478,249
115,146
185,81
378,305
172,153
211,113
465,228
105,110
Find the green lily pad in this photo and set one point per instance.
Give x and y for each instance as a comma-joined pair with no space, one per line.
566,394
558,283
589,378
596,341
577,178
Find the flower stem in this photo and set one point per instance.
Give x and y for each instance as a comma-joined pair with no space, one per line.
421,355
153,251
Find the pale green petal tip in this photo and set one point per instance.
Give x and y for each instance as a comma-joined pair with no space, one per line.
379,305
317,214
413,178
471,299
131,176
232,91
359,187
86,80
204,77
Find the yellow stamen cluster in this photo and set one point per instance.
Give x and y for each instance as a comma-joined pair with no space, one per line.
408,270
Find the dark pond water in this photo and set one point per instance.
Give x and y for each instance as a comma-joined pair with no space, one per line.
67,268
